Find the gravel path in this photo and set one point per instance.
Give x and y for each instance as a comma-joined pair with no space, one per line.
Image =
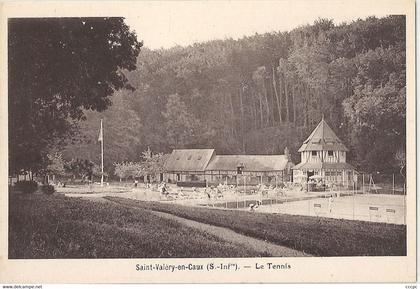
233,237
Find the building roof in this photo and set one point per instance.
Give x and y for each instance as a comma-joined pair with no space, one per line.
251,163
323,138
188,160
324,166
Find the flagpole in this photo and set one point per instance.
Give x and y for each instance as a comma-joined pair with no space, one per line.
102,156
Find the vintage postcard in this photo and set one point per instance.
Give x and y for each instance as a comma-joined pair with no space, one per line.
208,142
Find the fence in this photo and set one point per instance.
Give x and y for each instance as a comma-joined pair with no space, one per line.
393,184
383,201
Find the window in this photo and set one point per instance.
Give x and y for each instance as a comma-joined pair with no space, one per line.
189,158
314,153
330,153
199,158
194,178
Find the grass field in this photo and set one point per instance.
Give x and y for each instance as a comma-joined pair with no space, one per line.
60,227
314,235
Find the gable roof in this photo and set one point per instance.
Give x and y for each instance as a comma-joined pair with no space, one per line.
188,160
324,166
323,138
251,163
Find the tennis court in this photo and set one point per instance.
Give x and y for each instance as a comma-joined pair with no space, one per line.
366,207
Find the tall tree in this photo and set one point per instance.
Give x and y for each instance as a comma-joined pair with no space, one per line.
180,124
57,68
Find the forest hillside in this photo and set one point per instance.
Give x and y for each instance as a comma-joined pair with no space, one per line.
259,94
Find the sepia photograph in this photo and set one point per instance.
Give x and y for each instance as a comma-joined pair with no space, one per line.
198,132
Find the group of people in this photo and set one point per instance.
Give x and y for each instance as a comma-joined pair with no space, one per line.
59,184
216,192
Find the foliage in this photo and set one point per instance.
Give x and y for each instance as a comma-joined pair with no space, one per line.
313,235
79,168
26,187
57,68
61,227
126,170
151,164
56,164
48,189
180,124
121,135
400,158
260,94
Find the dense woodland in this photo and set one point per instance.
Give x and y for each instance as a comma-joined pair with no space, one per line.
259,94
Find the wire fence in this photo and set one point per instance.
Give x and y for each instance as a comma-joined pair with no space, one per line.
370,200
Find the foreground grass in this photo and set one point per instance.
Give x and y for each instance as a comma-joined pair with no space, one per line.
60,227
317,236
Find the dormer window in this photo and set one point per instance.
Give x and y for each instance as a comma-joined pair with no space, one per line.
314,153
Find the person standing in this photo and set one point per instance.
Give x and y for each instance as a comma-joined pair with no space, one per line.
330,201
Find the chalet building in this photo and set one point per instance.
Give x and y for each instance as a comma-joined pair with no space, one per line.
323,154
195,165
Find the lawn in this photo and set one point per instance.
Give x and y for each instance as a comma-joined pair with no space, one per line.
55,226
314,235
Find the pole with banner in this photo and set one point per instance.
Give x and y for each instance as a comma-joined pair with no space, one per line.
101,139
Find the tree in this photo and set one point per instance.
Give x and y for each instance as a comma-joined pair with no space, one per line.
401,159
376,110
80,168
153,164
57,68
122,134
261,93
180,124
126,170
56,165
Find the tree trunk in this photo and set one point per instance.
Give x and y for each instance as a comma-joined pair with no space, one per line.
286,92
276,93
294,104
261,110
242,119
232,115
254,106
267,105
305,104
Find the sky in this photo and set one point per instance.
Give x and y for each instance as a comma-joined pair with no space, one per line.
171,23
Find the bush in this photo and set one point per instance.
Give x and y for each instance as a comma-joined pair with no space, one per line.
48,189
26,187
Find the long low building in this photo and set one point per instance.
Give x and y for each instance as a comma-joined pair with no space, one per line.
195,165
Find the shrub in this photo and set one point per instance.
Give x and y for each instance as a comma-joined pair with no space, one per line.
48,189
26,187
